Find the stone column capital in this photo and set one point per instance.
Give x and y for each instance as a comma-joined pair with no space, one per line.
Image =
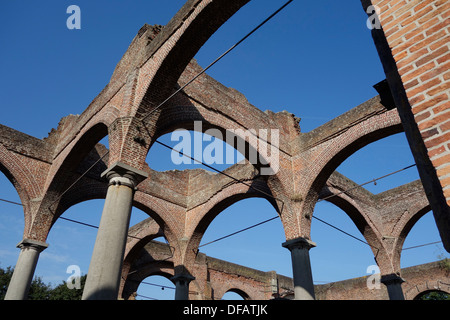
124,174
39,246
392,278
300,243
182,278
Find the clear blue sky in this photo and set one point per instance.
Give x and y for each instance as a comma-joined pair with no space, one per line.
316,60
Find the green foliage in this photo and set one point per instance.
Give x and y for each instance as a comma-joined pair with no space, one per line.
41,291
445,264
434,295
62,292
5,277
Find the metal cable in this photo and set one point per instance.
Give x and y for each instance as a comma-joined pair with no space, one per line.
218,59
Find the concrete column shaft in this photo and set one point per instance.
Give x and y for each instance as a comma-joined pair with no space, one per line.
182,286
103,278
301,267
22,277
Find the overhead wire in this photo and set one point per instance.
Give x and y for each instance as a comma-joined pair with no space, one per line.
164,102
275,217
184,86
262,222
258,224
212,168
421,245
218,59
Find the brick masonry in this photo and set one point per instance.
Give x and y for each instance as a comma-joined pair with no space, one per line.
413,44
215,277
183,203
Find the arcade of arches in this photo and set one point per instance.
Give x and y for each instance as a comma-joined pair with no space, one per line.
181,204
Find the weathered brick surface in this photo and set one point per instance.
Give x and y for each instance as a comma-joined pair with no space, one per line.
215,277
383,219
183,203
414,48
418,280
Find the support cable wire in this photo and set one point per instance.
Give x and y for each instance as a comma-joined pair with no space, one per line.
184,86
221,172
218,59
421,245
265,221
78,179
145,297
275,217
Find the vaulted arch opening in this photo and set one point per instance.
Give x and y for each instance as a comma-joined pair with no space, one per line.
235,294
237,236
342,250
156,287
422,243
309,69
148,271
434,295
337,255
71,241
11,222
182,147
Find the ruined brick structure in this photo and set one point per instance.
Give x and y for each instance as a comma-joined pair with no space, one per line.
182,204
216,277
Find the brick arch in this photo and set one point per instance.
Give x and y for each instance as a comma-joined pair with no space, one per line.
19,175
177,44
354,209
132,282
234,289
61,176
418,290
161,65
201,217
23,181
73,153
215,129
384,219
139,235
166,215
405,226
225,113
156,225
337,150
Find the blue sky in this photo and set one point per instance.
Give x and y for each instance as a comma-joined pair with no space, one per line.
316,59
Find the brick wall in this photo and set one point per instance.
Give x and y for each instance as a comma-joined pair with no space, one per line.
418,32
413,44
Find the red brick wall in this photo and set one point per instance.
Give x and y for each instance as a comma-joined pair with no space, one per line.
417,32
412,40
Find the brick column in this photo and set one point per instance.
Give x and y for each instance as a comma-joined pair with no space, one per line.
393,284
301,267
24,270
182,282
103,278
